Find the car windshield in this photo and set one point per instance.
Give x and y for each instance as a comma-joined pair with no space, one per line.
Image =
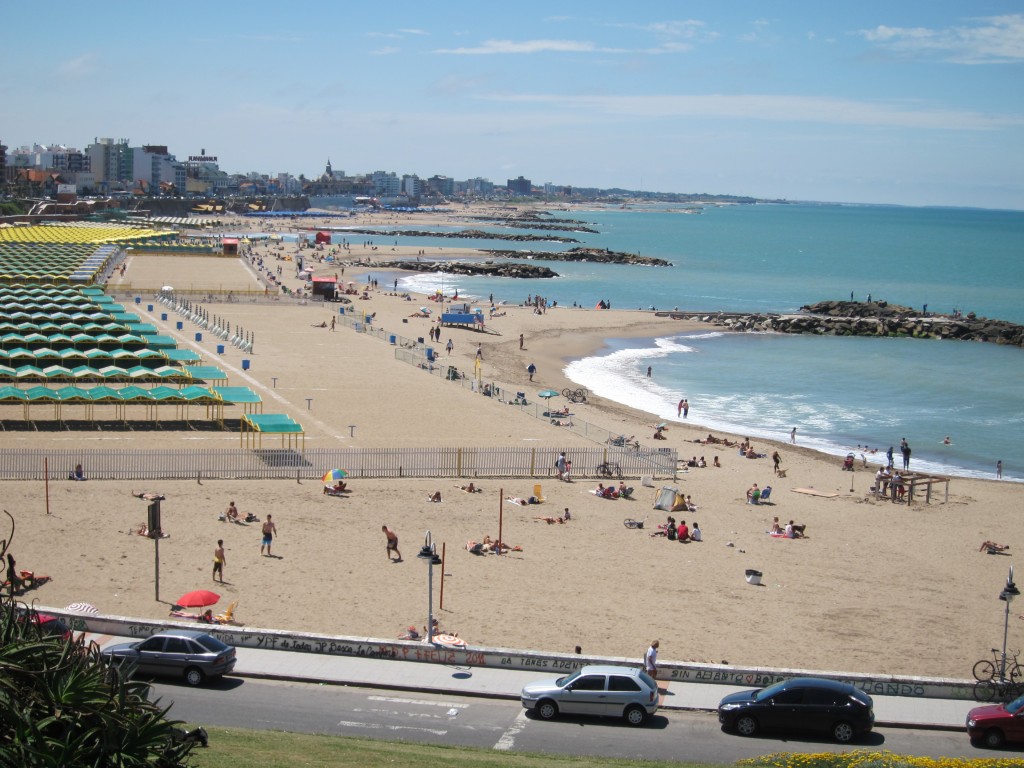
768,692
1015,705
564,681
212,644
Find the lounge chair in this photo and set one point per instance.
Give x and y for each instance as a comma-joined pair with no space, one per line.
765,494
228,617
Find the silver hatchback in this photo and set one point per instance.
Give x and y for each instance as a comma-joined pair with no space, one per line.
596,690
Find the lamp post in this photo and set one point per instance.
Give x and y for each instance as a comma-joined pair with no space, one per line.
1009,592
429,553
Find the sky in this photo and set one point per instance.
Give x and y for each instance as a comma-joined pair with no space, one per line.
919,102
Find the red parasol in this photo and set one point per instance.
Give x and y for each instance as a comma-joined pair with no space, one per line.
200,598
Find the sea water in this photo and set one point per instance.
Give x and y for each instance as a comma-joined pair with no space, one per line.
838,392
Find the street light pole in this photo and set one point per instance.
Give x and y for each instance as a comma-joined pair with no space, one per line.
429,553
1009,592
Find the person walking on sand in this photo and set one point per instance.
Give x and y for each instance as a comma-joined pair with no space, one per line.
450,346
520,341
333,318
392,545
777,460
269,532
651,660
218,561
531,369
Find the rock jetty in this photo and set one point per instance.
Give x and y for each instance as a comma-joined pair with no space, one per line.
876,318
599,255
475,268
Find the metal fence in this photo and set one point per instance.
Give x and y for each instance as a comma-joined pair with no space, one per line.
242,464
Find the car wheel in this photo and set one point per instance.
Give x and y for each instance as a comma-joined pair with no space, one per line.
194,676
547,709
993,738
635,715
843,732
746,726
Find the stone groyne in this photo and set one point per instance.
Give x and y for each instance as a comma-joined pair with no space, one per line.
476,269
849,318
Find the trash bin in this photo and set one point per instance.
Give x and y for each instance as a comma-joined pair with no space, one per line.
199,337
419,339
138,299
180,325
220,349
430,354
163,316
245,364
341,310
754,577
391,338
149,307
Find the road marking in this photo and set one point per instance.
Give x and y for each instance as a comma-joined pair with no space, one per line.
508,738
424,702
398,712
379,727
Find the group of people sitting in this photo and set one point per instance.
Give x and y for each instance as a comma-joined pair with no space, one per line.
756,495
490,545
680,532
612,492
790,531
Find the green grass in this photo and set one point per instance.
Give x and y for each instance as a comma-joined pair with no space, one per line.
232,747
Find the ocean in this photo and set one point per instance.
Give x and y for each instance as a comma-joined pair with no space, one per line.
838,392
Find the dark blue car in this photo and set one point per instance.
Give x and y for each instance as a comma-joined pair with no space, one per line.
807,704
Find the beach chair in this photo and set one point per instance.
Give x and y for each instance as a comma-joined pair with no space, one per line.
765,495
228,617
537,494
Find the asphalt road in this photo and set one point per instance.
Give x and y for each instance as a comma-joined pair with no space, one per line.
504,725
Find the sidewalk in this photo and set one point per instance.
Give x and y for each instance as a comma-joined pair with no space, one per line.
890,711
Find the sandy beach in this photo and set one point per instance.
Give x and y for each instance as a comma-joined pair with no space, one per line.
875,586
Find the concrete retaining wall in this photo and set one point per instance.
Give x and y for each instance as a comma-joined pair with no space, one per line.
506,658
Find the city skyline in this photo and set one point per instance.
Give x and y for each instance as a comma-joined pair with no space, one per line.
913,104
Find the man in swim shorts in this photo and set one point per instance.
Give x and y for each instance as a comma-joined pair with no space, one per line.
269,532
392,538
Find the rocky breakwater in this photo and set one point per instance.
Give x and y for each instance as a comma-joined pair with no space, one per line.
599,255
475,269
876,318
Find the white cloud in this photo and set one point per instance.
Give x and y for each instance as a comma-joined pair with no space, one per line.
531,46
387,50
779,108
989,40
78,67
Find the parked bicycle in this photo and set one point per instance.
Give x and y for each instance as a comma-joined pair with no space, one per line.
609,469
988,669
575,395
997,690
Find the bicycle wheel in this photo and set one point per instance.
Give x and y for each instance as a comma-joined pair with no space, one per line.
984,670
1016,673
984,690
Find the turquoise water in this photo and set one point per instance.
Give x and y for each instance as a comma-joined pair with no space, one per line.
838,392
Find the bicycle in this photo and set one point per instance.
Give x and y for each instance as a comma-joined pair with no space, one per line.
986,669
575,395
609,469
997,690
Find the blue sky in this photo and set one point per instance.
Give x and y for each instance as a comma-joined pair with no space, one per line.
918,103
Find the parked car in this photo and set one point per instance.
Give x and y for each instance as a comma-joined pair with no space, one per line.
801,704
186,653
995,724
595,690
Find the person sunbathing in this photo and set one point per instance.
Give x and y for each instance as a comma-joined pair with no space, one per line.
471,488
338,487
148,496
550,520
991,546
434,497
